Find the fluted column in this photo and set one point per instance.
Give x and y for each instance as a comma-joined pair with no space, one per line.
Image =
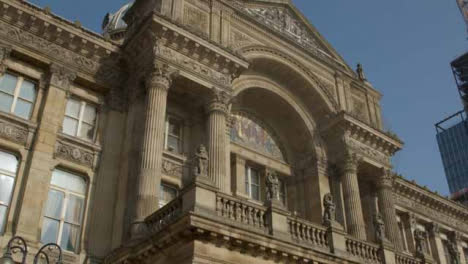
352,198
217,113
387,206
149,177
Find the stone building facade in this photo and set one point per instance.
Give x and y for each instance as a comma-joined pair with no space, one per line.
196,131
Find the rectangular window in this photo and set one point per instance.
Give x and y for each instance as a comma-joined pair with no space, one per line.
401,229
8,167
282,191
63,213
167,194
446,251
80,119
252,183
17,95
173,135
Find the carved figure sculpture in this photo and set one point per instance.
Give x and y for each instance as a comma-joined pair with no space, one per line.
329,209
453,252
360,72
379,226
272,184
419,237
201,162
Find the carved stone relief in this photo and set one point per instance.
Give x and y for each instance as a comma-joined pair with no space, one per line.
171,168
74,154
13,133
193,66
196,20
368,152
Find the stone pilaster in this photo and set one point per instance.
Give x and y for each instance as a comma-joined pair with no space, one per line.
352,199
149,178
4,55
218,110
436,245
387,207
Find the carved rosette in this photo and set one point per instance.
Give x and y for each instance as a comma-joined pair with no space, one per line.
161,76
219,102
74,154
4,55
61,77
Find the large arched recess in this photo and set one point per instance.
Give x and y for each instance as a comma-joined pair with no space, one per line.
289,99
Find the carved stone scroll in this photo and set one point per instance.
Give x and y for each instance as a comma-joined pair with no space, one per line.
74,154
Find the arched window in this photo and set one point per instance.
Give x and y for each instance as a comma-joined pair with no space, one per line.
250,133
8,168
63,214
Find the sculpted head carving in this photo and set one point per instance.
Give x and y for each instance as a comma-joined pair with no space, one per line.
61,77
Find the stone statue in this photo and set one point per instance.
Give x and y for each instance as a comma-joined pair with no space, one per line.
419,237
360,72
453,252
201,162
329,209
272,186
379,226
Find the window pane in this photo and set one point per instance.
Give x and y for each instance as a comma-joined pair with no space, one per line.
54,204
23,108
3,215
74,210
89,115
49,231
8,83
73,108
8,162
87,131
70,126
68,181
174,128
27,91
255,177
5,102
167,194
70,236
6,188
173,144
255,192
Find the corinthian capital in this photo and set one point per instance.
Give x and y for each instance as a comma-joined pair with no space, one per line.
4,55
219,101
61,77
350,161
385,179
161,76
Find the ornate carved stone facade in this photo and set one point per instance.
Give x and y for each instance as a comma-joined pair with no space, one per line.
302,176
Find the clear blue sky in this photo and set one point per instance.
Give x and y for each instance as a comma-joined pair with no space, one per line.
405,47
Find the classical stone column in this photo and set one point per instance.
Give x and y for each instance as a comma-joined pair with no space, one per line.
352,199
384,184
149,178
218,110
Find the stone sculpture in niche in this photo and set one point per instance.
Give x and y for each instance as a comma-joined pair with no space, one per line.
201,162
453,252
379,226
329,209
419,237
272,186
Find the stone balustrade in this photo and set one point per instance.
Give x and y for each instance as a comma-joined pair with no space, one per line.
164,216
303,231
243,212
364,250
405,259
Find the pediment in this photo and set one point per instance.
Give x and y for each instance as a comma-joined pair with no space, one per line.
285,19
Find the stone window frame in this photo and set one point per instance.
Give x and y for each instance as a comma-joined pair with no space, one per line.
83,103
20,79
169,186
401,229
180,137
83,225
248,181
261,169
15,176
427,247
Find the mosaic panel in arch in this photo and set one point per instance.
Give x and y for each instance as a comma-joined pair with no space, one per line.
250,134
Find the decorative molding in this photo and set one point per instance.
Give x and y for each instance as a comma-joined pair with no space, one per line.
368,151
74,154
13,133
196,19
219,101
160,76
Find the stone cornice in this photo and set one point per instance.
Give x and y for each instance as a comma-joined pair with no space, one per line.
37,34
362,132
430,204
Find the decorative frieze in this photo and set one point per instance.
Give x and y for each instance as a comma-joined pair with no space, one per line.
61,77
13,133
75,154
171,168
